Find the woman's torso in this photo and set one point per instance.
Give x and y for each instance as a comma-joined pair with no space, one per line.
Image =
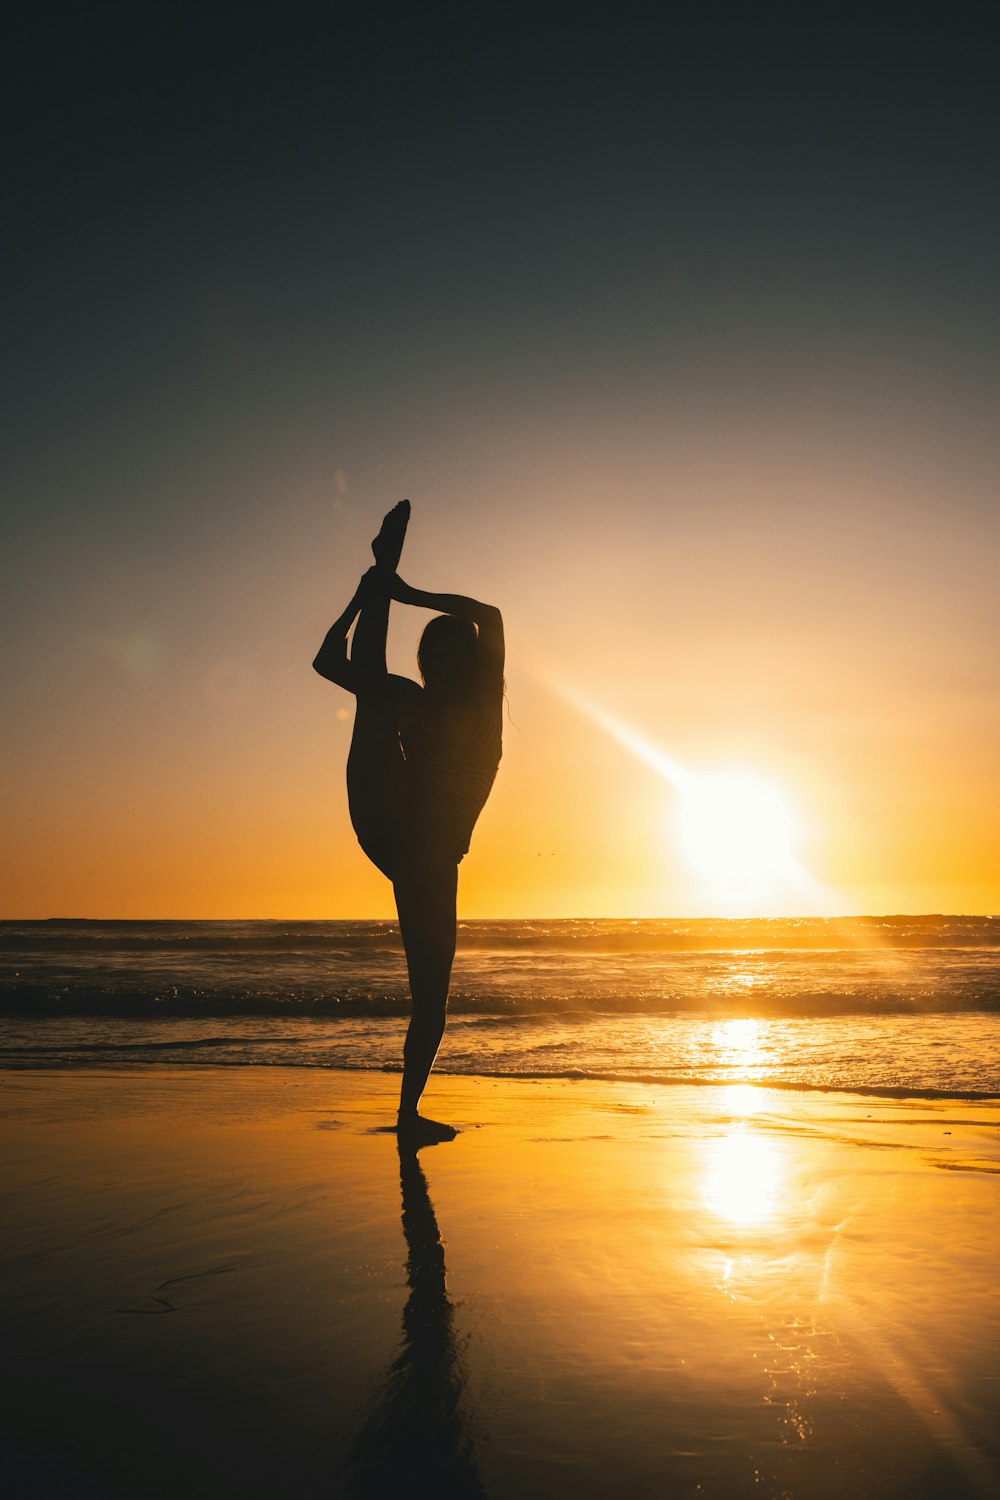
452,753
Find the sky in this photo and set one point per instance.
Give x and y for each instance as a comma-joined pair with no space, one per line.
678,328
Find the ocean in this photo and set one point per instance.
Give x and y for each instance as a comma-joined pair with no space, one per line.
894,1005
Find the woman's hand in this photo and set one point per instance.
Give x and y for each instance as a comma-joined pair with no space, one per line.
400,591
376,581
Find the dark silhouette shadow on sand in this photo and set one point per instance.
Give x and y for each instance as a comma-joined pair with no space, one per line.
415,1435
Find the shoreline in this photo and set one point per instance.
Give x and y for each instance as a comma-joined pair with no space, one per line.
897,1093
228,1278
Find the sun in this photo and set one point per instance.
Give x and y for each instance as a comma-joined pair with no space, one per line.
737,828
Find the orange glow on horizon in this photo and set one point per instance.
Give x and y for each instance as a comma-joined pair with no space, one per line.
161,766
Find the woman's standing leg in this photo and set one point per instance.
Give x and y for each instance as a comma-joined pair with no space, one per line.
426,888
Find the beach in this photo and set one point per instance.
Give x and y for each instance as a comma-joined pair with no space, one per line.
229,1281
501,624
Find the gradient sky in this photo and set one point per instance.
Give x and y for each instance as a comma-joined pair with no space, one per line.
678,330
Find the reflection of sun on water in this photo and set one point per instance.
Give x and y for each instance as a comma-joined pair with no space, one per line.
743,1179
743,1099
740,1051
745,1170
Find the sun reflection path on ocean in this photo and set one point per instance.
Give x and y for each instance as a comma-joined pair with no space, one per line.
820,1248
769,1253
744,1175
744,1178
739,1045
744,1171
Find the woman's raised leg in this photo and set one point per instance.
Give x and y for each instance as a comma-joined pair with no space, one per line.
375,766
372,629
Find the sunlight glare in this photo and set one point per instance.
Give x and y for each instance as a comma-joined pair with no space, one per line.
744,1099
742,1185
739,1046
736,827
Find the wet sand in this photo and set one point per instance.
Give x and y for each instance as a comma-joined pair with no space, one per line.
228,1281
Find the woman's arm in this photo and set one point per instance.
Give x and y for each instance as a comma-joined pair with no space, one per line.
445,604
331,660
486,617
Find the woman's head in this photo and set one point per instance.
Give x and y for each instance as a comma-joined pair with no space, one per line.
447,653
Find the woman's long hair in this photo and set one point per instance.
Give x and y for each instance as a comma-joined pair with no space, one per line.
447,654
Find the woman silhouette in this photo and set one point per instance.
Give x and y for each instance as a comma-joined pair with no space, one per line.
421,766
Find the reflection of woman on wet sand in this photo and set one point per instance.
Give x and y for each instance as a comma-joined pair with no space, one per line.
421,766
417,1427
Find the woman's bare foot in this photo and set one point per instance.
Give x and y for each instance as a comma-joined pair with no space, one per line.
417,1128
388,545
